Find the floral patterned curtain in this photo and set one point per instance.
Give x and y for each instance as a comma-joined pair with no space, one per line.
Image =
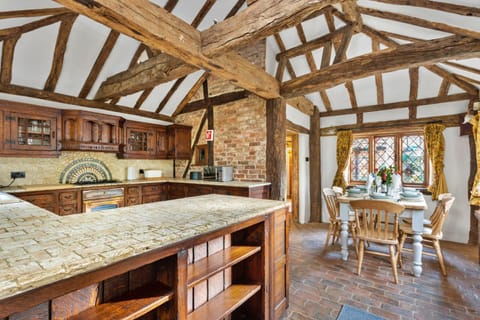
475,196
344,144
436,150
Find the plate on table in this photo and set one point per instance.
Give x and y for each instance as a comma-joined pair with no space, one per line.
355,194
410,195
418,199
380,196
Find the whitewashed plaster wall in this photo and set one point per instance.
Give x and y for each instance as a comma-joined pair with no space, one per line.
457,166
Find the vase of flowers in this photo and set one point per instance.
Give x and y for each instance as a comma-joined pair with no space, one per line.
386,173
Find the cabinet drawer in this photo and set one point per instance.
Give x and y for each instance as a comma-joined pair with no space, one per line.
132,200
68,196
132,191
41,200
243,192
152,189
67,209
152,198
194,190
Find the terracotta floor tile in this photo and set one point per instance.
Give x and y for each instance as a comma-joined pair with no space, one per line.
321,282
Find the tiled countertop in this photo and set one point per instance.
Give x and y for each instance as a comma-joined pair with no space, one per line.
44,187
38,247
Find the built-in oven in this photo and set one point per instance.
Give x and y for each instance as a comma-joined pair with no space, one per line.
102,199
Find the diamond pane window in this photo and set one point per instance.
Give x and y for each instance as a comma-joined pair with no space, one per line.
359,159
384,152
413,159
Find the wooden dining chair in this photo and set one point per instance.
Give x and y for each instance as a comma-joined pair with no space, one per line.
335,226
377,222
432,232
427,222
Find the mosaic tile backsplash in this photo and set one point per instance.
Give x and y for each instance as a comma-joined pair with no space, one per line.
49,170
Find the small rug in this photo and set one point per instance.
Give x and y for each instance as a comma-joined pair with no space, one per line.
351,313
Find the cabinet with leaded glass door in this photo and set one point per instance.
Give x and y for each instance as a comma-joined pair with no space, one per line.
139,140
27,130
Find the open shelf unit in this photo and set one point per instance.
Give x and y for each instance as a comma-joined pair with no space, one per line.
224,303
131,306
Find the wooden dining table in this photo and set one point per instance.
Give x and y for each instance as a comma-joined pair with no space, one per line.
414,209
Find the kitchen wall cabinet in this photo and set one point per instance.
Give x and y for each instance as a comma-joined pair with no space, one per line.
28,131
138,140
90,131
161,142
179,142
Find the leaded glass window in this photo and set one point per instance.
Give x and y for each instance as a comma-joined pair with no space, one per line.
404,151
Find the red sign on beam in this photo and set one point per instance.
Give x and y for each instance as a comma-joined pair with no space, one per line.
209,135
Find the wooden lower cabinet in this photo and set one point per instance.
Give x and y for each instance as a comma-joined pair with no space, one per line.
154,192
69,201
62,202
238,272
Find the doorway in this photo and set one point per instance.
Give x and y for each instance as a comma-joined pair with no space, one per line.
292,172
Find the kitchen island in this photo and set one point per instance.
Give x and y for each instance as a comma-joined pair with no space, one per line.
209,255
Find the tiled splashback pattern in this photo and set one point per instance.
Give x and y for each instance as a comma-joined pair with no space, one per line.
48,170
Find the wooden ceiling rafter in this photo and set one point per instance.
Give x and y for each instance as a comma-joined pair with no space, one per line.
160,30
453,120
8,50
59,52
378,75
9,32
397,105
169,94
245,28
444,87
190,94
462,67
468,87
419,22
435,5
219,100
99,63
400,57
29,13
62,98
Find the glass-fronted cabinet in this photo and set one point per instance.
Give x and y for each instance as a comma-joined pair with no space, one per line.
31,133
139,140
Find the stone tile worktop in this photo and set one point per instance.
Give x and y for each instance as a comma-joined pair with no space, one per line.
38,247
43,187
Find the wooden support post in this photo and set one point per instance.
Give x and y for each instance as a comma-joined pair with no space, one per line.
210,124
276,144
315,176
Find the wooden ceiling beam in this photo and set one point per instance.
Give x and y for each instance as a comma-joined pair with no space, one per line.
8,50
99,63
36,24
215,101
190,94
401,57
258,21
462,67
453,120
397,105
341,50
169,94
468,87
302,104
159,69
59,53
32,13
291,126
435,5
378,75
352,15
62,98
170,5
312,44
419,22
159,30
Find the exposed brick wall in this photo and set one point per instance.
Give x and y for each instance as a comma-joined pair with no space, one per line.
240,138
240,127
